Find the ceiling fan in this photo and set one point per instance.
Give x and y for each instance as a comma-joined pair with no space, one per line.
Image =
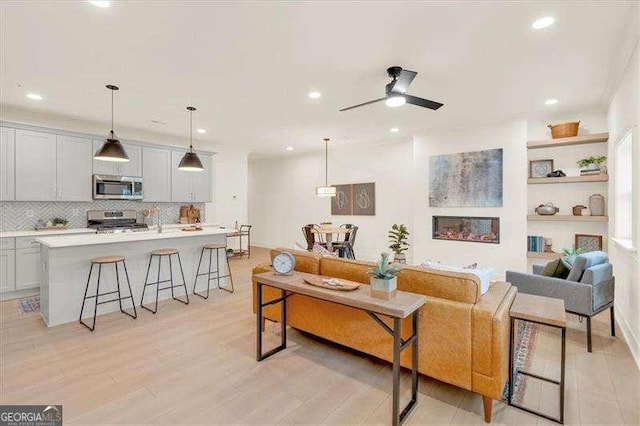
396,91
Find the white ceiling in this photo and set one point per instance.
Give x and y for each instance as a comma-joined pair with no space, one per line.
248,67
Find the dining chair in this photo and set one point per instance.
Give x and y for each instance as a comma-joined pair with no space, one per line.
319,236
309,236
345,248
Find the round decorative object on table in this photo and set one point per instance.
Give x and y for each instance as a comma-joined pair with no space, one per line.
585,212
596,205
283,263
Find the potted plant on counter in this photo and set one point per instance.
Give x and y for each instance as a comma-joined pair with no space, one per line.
383,278
398,239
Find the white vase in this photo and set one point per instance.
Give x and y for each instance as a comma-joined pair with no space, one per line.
400,258
592,166
384,289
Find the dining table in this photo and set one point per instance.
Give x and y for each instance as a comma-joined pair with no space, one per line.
328,231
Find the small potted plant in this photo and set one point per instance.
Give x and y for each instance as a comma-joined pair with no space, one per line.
383,278
591,163
398,239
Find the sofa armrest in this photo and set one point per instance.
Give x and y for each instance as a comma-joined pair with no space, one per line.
576,296
597,274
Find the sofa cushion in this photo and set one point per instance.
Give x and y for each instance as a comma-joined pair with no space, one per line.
584,261
305,261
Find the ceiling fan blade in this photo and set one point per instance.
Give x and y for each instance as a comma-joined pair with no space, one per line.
359,105
426,103
401,84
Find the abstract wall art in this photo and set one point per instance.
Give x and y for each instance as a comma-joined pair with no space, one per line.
358,199
467,179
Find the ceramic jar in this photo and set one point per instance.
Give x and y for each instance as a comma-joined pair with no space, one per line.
596,205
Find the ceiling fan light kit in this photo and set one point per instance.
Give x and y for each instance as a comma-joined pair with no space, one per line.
190,162
326,190
395,92
111,149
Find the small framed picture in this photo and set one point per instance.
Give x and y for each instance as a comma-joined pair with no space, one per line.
588,242
540,168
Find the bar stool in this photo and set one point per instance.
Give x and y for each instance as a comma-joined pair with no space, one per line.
102,261
160,253
211,248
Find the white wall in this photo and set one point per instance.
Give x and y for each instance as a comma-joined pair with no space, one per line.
511,252
230,182
623,114
282,194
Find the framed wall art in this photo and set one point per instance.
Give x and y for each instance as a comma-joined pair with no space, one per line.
356,199
540,168
588,242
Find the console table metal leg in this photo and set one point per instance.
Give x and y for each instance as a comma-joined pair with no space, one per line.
562,371
283,335
396,370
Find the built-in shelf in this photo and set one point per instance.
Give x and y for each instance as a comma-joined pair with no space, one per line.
567,218
575,140
569,179
542,255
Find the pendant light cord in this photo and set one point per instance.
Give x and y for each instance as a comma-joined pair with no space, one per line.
111,111
326,162
190,130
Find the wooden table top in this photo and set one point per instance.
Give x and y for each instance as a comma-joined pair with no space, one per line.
401,306
541,309
330,230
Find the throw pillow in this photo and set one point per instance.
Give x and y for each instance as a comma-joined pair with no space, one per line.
557,269
318,249
298,246
483,274
472,266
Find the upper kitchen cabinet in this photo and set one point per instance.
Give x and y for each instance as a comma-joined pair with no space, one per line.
191,186
73,169
35,166
156,166
52,168
133,167
7,164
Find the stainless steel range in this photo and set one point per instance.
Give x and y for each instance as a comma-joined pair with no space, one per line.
114,222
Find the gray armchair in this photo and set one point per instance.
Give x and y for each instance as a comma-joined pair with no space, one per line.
587,291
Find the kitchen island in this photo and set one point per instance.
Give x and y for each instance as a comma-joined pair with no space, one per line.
66,263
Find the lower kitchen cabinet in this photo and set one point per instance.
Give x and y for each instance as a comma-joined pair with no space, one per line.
28,268
7,270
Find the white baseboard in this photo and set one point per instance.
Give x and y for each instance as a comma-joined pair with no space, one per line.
19,294
632,340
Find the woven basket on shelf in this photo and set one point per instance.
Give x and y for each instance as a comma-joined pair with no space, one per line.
564,130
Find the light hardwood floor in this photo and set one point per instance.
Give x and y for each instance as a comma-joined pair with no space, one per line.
196,364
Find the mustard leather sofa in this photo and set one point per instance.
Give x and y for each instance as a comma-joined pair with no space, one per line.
463,336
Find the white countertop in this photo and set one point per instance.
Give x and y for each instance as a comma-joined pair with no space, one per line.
32,233
94,239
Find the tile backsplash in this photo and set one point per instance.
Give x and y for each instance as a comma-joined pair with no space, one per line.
22,216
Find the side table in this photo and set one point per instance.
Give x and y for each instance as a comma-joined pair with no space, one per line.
545,311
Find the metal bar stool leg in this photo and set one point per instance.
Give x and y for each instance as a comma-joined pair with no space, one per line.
84,299
153,311
227,275
173,295
95,309
133,302
195,282
184,282
146,282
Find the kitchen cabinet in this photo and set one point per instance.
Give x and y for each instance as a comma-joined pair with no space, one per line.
35,166
133,167
7,164
28,267
52,168
191,186
7,270
73,169
156,167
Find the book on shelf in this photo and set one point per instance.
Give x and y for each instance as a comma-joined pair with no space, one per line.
590,172
535,243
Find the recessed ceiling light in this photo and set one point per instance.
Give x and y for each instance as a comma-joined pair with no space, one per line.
551,102
394,130
541,23
315,95
201,131
395,101
100,3
34,96
289,148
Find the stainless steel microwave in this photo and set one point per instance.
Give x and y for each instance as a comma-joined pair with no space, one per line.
117,188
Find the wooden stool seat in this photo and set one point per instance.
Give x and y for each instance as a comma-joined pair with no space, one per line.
215,246
165,251
107,259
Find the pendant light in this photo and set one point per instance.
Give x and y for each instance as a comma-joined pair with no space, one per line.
190,162
326,190
111,149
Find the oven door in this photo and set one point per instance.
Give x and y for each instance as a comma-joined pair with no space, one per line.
116,188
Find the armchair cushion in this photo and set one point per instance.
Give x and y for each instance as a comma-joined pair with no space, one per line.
584,261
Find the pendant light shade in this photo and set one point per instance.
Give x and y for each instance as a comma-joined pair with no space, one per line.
111,149
326,190
190,162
